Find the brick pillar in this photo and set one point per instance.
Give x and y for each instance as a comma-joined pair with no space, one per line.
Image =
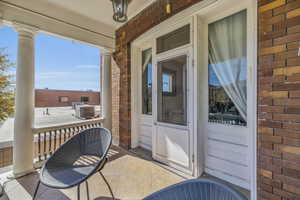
278,99
124,96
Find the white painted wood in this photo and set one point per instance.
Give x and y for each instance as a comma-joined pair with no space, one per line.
106,89
141,123
253,26
173,144
134,97
24,113
145,136
232,152
231,134
93,32
227,147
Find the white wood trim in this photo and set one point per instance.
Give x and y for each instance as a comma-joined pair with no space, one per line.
138,119
134,97
253,10
174,22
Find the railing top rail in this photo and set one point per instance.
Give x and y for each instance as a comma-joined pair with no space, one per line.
68,125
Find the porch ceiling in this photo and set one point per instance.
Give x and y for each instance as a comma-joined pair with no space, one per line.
98,10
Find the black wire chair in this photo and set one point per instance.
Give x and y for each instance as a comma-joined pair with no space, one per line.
76,160
198,189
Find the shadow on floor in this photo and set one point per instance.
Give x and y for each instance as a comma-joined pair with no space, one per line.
29,182
105,198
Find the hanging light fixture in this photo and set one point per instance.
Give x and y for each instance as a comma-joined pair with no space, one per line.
120,10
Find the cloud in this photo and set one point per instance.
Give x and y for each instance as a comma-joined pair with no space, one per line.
48,75
87,67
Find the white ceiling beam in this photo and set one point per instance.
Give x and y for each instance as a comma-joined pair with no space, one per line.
80,29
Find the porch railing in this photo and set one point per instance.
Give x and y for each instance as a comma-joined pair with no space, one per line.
48,139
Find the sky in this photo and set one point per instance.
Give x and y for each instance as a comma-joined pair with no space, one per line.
59,63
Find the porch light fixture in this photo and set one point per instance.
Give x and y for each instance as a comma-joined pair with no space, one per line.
120,10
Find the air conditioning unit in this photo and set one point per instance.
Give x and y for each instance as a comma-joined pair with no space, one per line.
85,111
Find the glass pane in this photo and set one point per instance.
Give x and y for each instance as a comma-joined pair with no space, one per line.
174,39
228,70
172,87
147,82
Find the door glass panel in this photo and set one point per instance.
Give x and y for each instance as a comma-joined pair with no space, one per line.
175,39
228,70
172,87
147,82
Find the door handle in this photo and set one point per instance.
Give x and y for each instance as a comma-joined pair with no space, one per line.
155,123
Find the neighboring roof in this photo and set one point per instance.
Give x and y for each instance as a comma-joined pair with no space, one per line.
55,90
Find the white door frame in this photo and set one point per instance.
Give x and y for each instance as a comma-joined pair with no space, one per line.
196,12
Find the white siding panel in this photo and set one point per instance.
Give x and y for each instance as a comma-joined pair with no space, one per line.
235,135
229,168
231,152
145,136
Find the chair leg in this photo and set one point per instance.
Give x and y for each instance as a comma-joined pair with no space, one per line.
36,190
78,192
110,190
87,190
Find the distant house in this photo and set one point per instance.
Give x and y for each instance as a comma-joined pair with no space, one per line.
62,98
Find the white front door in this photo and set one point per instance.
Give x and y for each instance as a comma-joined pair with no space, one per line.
172,110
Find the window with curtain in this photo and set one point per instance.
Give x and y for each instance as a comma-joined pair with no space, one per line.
228,70
147,82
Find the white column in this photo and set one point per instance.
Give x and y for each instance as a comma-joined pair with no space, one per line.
106,90
24,102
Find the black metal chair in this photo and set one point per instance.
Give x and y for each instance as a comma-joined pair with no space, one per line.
76,160
198,189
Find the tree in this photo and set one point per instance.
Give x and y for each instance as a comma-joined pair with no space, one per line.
6,89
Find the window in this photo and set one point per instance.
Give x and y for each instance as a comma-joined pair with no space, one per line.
172,87
147,82
84,99
174,39
228,70
169,82
63,99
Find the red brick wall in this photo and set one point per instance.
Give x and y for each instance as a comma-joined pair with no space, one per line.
279,100
50,98
149,17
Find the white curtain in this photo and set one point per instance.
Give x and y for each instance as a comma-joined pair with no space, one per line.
147,57
228,57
